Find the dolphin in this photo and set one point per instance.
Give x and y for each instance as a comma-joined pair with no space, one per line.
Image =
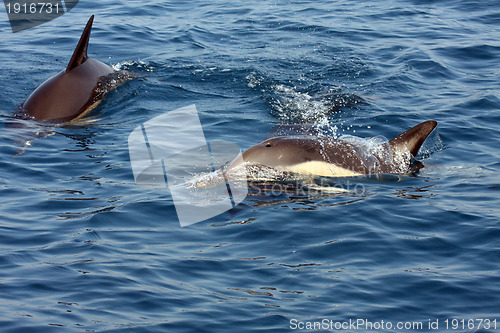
342,157
73,92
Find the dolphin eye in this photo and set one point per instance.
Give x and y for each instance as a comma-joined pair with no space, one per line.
268,145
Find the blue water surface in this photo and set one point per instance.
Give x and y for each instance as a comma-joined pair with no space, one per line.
84,249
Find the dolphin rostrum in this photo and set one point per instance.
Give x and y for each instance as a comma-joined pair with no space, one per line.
73,92
343,157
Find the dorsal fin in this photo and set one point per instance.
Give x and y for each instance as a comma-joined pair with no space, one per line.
80,54
413,138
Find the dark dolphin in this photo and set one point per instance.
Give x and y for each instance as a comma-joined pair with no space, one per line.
325,156
73,92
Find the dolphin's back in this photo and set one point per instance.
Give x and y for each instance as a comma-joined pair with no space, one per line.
73,91
67,94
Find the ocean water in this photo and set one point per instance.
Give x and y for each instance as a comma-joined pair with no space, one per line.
84,249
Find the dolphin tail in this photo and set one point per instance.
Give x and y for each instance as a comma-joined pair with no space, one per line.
413,138
80,54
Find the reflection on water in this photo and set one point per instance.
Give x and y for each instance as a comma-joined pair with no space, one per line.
416,193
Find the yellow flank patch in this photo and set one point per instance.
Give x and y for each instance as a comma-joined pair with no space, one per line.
319,168
87,111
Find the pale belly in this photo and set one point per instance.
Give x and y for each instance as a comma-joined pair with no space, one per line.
319,168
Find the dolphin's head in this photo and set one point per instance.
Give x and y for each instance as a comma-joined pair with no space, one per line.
282,151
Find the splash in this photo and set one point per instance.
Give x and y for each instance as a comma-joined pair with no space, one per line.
238,175
377,155
371,151
205,179
131,65
293,106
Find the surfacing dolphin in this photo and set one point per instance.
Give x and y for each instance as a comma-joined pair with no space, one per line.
329,157
75,91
